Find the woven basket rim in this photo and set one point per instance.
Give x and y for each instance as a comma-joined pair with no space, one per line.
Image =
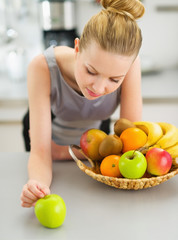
122,183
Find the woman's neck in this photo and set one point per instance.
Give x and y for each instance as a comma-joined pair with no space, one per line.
65,58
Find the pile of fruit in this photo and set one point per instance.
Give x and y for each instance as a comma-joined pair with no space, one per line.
135,150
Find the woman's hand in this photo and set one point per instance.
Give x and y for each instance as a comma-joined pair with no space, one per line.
32,191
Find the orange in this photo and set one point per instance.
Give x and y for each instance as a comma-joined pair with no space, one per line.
110,166
133,138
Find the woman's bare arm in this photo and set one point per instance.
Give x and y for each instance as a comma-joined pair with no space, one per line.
40,161
131,97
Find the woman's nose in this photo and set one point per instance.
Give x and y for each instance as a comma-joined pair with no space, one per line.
99,86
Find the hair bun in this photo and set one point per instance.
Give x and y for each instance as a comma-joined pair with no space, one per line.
131,8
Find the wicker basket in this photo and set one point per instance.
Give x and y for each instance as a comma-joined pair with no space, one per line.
121,183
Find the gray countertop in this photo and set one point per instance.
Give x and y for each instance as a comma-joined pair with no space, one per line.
94,210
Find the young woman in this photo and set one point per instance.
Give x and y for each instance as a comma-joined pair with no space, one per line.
82,87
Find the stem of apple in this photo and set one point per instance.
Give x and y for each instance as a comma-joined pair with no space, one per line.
132,157
133,153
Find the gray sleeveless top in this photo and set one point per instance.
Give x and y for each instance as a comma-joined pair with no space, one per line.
74,114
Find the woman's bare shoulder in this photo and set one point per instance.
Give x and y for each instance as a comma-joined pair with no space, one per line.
38,63
62,50
63,54
38,75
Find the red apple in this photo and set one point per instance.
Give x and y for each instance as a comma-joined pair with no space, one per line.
159,161
90,141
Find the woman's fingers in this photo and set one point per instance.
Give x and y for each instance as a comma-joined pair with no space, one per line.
32,191
27,198
35,190
28,194
33,204
44,189
26,205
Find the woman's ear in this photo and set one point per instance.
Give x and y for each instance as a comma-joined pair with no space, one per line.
77,41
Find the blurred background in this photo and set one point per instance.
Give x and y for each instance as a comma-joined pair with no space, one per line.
28,27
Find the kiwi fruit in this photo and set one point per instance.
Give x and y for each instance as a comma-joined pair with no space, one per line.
122,124
110,145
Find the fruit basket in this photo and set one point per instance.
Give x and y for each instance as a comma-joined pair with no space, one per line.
121,183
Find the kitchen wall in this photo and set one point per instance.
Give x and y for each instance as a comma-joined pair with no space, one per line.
159,29
159,52
160,33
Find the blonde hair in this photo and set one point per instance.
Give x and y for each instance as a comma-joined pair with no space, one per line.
115,28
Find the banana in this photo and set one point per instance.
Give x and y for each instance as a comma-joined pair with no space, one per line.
173,150
175,162
170,135
153,131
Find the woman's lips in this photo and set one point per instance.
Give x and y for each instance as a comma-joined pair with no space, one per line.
93,94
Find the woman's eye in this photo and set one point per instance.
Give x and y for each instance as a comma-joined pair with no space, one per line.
91,73
115,81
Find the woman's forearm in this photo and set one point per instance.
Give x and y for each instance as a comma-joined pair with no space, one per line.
40,168
62,152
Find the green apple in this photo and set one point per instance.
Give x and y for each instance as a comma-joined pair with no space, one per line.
132,164
50,211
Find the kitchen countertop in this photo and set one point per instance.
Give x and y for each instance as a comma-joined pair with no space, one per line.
94,210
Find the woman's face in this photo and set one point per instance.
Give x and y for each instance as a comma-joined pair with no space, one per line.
98,72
